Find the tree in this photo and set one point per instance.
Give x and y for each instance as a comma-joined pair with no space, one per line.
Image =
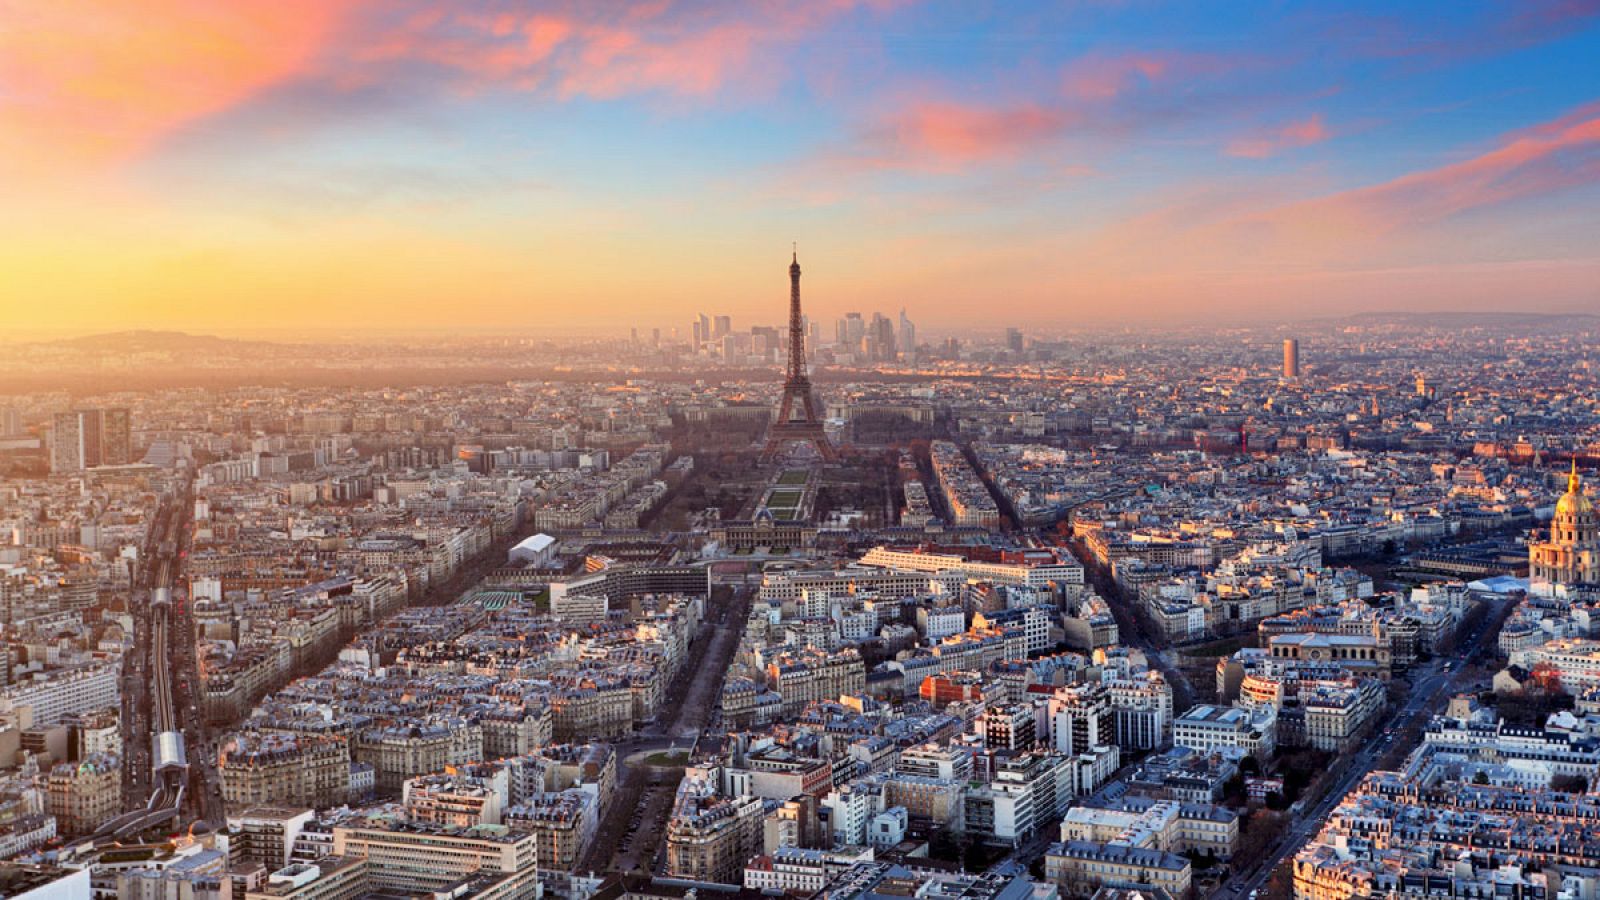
976,857
1202,861
947,846
1569,784
1260,829
1280,886
1233,791
1530,706
1300,768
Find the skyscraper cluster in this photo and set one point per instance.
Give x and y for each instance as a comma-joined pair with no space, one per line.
716,337
855,339
858,340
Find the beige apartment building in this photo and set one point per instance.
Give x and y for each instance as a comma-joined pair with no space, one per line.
280,769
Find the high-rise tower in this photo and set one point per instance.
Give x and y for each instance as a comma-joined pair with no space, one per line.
1291,358
799,415
86,438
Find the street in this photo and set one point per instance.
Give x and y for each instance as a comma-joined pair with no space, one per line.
631,830
1432,686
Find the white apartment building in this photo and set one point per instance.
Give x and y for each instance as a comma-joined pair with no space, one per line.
55,694
1207,727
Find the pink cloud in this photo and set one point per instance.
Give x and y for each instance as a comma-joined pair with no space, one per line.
1105,77
1262,144
1549,157
940,135
95,81
1260,225
1098,96
573,49
1098,78
92,82
1455,35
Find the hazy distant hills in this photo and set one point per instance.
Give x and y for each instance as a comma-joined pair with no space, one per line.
159,342
1537,321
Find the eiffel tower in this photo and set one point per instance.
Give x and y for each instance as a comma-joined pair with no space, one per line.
799,416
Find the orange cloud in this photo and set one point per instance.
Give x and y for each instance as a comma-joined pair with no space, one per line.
94,81
1263,144
90,82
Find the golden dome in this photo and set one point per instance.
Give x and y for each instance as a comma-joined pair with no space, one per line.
1573,502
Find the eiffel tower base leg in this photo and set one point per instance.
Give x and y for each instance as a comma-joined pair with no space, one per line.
781,436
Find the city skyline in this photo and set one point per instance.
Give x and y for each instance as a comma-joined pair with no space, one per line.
315,167
1171,474
993,617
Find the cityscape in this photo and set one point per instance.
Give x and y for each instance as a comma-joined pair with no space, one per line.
811,583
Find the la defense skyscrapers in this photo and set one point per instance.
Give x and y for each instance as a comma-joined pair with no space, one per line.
799,414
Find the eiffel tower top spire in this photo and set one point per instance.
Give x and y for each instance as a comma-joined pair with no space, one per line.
797,327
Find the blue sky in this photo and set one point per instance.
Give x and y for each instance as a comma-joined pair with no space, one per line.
316,164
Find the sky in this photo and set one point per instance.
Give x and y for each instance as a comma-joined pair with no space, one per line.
316,166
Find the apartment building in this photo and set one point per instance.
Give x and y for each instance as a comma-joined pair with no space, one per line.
1142,706
710,838
55,694
83,795
563,824
810,675
1207,727
329,878
1081,867
400,752
1081,717
407,856
284,769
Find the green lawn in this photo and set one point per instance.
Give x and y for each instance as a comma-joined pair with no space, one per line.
794,476
784,503
664,758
